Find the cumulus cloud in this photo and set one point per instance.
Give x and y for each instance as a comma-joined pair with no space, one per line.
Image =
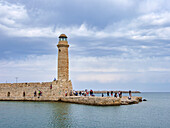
12,14
143,27
112,41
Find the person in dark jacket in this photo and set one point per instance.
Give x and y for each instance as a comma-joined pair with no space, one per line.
107,93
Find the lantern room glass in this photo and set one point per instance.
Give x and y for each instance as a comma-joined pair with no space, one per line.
62,39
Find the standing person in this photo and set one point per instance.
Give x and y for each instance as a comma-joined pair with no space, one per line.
111,93
107,93
35,93
65,93
91,92
119,93
86,92
115,94
130,94
51,86
71,93
80,93
39,92
102,95
76,93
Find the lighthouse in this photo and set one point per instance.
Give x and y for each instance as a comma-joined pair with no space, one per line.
63,59
63,64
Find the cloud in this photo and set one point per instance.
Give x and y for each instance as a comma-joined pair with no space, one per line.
15,18
120,70
12,14
148,6
12,19
88,69
111,41
32,68
103,78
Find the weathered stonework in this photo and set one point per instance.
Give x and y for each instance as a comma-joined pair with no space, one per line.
89,100
101,101
50,90
63,64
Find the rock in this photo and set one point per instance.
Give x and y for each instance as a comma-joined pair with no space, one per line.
144,100
133,100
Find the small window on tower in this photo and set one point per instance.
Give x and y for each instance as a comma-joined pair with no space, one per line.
59,50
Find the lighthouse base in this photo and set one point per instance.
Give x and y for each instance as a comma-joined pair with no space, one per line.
63,87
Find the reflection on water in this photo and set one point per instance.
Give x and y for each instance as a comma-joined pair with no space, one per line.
60,115
153,113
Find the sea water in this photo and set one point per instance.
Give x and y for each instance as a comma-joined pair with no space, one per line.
154,113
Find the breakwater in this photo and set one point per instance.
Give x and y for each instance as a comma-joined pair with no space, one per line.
87,100
101,101
55,91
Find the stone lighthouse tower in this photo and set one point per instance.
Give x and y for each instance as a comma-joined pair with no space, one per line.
63,65
63,61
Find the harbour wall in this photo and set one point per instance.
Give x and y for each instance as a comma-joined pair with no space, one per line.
55,91
25,91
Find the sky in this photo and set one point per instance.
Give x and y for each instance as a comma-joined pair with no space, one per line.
114,44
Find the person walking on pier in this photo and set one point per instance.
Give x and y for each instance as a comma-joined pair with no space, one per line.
71,93
51,86
65,93
107,93
120,94
91,92
115,94
130,94
102,95
76,93
35,93
86,92
80,93
39,93
111,93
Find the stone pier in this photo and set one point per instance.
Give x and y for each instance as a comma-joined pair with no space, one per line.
101,101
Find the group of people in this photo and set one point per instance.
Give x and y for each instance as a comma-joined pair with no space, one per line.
80,93
115,95
118,94
39,93
86,93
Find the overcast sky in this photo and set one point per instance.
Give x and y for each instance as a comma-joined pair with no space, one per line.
114,44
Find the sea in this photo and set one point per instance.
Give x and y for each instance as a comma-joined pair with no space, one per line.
153,113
